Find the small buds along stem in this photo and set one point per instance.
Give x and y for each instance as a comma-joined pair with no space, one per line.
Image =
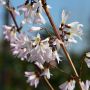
58,36
11,13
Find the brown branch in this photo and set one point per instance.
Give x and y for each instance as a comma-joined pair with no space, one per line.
12,15
48,83
58,36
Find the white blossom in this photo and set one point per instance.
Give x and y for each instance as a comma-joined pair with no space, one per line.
37,39
9,32
88,54
3,2
85,86
56,56
75,31
46,73
65,16
21,46
68,85
41,52
38,18
30,12
87,60
32,78
15,12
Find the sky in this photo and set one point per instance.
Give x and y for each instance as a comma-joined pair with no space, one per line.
79,11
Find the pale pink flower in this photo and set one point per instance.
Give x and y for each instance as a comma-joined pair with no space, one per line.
75,31
87,59
38,18
46,73
33,79
68,85
21,46
30,10
65,16
3,2
9,32
85,86
56,56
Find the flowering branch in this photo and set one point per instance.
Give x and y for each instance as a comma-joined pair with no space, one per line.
58,36
43,51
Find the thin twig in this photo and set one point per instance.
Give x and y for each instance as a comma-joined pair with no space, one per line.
12,15
48,83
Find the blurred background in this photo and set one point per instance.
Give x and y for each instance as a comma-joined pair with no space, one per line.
12,69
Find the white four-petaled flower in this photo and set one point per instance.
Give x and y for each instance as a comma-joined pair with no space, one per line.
33,79
85,86
9,32
68,85
21,46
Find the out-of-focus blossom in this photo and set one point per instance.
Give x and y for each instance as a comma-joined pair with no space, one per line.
65,16
15,12
3,2
32,12
75,31
35,28
68,85
69,32
33,79
9,32
85,86
21,46
38,18
56,56
87,59
88,54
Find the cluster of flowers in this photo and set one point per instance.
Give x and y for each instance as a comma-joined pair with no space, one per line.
70,85
38,50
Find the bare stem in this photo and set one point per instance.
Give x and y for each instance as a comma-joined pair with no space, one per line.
48,83
58,36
